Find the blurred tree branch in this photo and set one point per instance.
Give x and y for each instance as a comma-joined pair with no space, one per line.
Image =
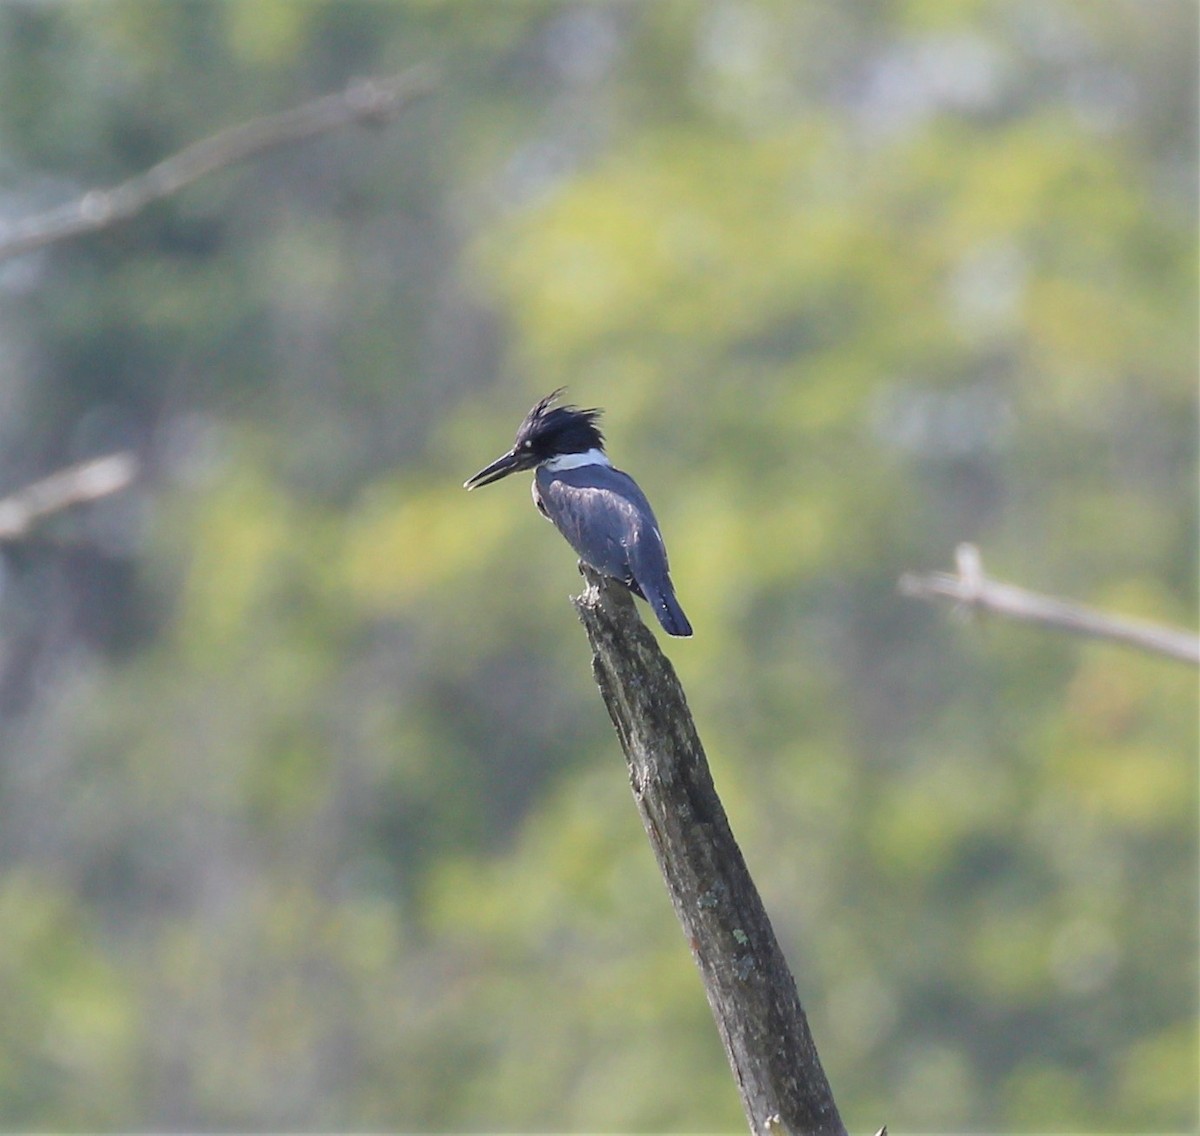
750,989
974,590
75,485
372,101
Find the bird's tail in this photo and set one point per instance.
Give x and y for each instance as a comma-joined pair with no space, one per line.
666,608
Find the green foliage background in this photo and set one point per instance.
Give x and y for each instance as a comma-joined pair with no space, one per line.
310,817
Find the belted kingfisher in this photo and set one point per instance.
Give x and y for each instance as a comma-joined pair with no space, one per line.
600,510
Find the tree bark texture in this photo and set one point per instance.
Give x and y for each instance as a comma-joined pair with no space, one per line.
749,986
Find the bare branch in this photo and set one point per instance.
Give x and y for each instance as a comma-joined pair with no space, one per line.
363,101
750,989
89,481
974,590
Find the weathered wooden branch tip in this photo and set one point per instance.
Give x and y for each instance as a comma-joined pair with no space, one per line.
603,593
747,981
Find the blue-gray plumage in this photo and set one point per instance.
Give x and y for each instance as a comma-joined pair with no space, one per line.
599,509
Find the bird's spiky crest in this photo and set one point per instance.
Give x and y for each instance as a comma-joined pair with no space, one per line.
565,428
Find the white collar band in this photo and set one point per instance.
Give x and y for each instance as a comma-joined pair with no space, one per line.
574,461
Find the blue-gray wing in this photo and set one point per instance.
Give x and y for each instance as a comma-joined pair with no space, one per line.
606,519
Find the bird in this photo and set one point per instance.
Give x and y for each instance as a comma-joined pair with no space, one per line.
600,510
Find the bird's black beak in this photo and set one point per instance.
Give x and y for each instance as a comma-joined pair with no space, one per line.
511,462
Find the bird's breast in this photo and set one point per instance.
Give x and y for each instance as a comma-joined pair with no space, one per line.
537,499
